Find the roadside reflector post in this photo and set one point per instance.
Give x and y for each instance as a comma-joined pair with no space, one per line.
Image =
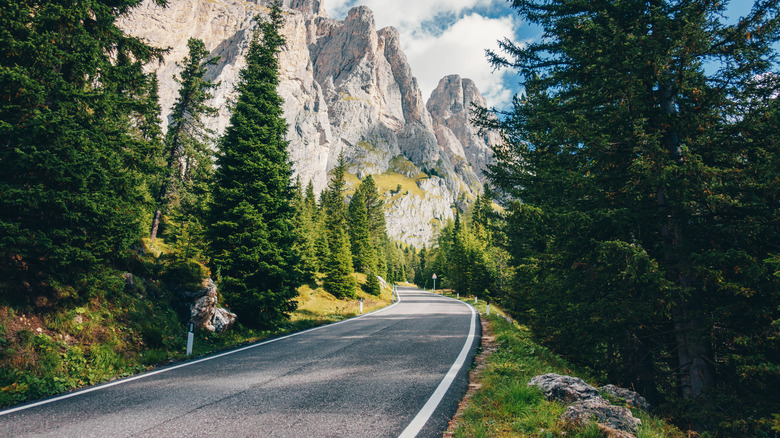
475,299
190,338
458,295
361,305
488,307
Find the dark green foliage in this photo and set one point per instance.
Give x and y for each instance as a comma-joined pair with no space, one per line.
251,230
306,236
77,142
363,253
649,186
188,156
339,267
338,279
372,284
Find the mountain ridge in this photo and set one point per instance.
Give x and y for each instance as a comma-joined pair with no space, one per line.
349,88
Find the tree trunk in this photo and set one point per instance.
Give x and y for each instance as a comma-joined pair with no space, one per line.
694,352
155,225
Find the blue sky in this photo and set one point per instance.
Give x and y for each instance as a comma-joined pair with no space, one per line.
442,37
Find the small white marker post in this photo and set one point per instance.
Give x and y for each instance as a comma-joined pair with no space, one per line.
434,282
475,299
361,305
190,338
458,295
488,307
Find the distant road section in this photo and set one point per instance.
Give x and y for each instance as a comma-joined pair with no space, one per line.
400,371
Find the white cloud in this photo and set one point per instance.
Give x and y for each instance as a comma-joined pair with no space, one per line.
460,50
435,49
403,13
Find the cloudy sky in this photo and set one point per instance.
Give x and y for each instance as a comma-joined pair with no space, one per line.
442,37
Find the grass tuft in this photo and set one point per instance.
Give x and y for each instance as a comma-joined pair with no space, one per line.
505,406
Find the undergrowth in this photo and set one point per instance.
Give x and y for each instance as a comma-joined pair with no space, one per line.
125,325
505,406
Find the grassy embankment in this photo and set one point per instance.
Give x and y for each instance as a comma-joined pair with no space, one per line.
117,330
505,406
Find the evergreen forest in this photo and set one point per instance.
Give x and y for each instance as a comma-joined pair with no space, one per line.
108,225
630,219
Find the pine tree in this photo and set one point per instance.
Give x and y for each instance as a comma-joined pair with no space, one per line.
251,228
372,284
338,279
339,266
77,143
187,140
363,252
642,205
305,244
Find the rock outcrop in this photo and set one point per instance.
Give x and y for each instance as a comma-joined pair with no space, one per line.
585,404
451,105
348,87
566,389
203,310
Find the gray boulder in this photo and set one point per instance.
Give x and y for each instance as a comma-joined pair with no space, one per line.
204,312
566,389
608,416
631,398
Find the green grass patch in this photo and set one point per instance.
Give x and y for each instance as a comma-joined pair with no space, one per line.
389,182
118,330
505,406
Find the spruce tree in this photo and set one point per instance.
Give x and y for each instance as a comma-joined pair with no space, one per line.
376,222
306,237
188,156
645,194
338,280
363,252
251,229
77,143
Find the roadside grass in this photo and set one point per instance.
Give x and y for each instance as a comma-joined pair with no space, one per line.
505,406
117,333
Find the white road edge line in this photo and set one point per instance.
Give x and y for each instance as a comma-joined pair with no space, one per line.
186,364
425,413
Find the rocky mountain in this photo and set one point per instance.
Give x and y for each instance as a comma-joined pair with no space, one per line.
347,88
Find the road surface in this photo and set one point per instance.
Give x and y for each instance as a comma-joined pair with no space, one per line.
400,371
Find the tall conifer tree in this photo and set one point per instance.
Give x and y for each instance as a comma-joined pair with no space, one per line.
339,267
77,142
363,252
187,142
251,230
645,190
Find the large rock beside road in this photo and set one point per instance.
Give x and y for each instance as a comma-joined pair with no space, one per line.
566,389
586,404
204,312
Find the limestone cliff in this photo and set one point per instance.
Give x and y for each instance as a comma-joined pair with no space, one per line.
347,87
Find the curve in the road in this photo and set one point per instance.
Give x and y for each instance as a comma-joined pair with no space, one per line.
389,372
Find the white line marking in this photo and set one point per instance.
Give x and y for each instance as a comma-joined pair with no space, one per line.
425,413
186,364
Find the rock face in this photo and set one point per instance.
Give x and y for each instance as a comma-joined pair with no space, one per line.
608,416
586,404
450,106
564,388
203,309
347,88
631,398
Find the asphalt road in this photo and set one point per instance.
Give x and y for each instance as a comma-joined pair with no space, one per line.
379,375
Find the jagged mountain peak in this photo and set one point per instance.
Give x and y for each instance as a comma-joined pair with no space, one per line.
306,7
347,88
